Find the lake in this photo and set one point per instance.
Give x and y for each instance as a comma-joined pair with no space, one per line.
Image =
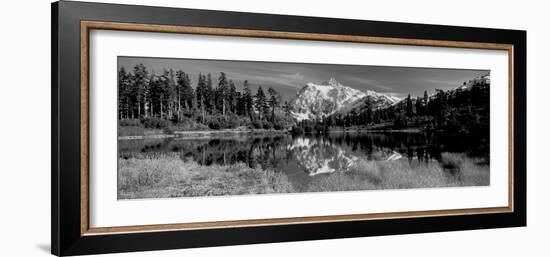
382,160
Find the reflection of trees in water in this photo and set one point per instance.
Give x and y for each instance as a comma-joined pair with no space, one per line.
423,146
272,152
267,152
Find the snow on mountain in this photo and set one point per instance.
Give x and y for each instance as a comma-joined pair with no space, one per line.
374,99
315,101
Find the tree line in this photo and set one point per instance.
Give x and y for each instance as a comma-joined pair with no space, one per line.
464,110
213,102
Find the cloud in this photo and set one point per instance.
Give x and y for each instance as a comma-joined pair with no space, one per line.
296,76
368,82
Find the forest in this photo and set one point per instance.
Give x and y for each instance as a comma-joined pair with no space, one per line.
461,111
170,99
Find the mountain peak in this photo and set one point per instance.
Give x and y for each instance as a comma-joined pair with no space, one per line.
332,82
316,101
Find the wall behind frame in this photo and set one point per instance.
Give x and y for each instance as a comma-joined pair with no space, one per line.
25,127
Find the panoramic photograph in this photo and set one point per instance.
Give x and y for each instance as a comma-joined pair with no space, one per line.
199,128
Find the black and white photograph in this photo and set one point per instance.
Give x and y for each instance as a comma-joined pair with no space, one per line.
196,127
275,128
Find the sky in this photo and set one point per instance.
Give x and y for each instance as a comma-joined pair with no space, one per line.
289,78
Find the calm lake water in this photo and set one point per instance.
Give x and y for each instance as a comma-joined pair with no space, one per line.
307,157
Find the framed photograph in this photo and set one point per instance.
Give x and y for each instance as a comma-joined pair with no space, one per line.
178,128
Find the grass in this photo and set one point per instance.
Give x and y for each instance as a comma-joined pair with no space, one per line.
373,175
124,131
166,175
188,132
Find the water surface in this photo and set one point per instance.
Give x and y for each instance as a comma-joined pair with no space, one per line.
307,158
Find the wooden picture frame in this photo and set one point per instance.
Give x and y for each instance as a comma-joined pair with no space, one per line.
71,25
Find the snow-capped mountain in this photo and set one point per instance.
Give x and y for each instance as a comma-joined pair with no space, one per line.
374,99
315,101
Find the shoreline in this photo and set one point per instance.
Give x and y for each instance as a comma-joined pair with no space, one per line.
204,134
207,134
409,130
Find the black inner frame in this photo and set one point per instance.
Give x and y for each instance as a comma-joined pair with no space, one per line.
65,165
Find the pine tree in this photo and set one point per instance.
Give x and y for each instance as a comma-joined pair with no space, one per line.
154,95
248,101
369,114
409,106
124,93
231,96
164,93
274,101
239,105
210,95
222,92
141,88
172,91
260,103
425,103
287,108
187,92
418,106
201,95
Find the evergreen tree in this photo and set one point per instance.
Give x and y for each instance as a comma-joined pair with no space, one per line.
172,91
240,107
409,106
166,94
425,103
141,88
124,93
418,106
439,108
210,95
154,96
248,100
369,114
274,101
187,95
202,96
261,104
231,96
222,92
287,108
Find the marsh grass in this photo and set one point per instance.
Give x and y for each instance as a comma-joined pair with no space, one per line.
166,175
401,174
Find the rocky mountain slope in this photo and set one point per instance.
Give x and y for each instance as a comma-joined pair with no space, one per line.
315,101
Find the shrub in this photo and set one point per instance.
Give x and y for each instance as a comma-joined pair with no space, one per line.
155,123
257,124
214,124
267,125
129,123
232,121
399,121
278,126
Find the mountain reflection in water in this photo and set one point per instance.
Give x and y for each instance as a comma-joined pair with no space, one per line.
304,157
